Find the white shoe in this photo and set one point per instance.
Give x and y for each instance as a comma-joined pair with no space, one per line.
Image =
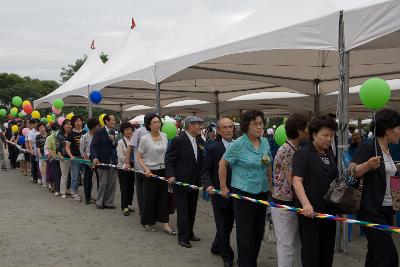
76,197
56,194
39,181
64,196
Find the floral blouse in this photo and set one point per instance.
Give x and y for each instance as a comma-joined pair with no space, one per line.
282,190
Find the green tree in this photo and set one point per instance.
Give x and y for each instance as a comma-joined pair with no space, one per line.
71,69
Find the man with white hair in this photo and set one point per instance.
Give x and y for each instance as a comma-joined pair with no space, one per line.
184,163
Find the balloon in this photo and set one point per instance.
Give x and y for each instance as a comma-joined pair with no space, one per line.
27,108
60,120
101,119
280,135
16,101
44,120
26,102
53,117
49,119
25,131
21,140
14,111
35,114
170,129
3,112
69,116
14,128
55,110
96,97
21,114
6,125
58,103
375,93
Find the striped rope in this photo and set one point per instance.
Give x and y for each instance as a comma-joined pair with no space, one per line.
318,215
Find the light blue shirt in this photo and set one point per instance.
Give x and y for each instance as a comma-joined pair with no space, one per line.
248,172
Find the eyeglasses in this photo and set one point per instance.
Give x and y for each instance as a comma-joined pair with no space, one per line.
257,124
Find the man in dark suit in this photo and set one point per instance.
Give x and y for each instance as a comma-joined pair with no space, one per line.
222,207
103,150
184,163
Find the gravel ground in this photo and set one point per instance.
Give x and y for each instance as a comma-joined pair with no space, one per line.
39,229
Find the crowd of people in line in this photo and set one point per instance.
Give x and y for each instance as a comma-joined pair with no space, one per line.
298,174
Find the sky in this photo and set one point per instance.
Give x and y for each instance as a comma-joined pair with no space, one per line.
39,37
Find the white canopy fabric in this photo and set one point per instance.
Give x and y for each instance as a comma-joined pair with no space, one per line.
274,103
92,65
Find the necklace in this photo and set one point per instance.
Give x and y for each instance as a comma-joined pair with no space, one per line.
383,150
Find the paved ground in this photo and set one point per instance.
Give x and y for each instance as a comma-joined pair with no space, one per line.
39,229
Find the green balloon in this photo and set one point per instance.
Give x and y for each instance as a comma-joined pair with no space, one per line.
3,112
21,115
53,116
14,111
58,103
170,129
375,93
17,101
44,120
280,135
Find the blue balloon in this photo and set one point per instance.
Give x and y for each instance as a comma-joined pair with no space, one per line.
95,97
21,140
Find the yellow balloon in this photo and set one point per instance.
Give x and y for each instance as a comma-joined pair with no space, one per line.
69,116
49,118
26,102
35,114
14,128
101,119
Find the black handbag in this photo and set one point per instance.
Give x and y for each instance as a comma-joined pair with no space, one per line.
345,192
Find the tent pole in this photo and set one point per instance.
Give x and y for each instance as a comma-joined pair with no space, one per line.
316,98
217,113
122,112
90,110
158,99
344,58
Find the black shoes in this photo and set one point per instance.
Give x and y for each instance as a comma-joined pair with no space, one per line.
100,207
228,264
195,238
185,244
109,207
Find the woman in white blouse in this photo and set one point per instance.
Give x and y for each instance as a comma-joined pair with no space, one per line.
126,178
151,155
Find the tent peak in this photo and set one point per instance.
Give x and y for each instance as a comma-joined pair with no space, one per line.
133,24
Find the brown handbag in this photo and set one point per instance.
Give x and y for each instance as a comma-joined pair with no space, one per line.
345,193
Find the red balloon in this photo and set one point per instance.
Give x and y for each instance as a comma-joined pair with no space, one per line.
28,109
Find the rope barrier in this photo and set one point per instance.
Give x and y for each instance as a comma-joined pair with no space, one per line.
318,215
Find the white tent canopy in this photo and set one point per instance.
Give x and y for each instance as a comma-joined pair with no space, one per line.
92,65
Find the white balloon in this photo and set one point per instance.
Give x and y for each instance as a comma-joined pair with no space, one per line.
6,125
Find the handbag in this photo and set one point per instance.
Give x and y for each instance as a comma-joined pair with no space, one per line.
21,157
395,190
171,200
345,192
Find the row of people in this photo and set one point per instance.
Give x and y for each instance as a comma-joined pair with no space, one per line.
300,175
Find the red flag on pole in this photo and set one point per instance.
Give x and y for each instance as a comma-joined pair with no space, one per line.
133,24
92,45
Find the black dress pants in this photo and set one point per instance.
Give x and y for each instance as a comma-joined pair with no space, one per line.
139,189
127,187
317,241
381,248
34,168
186,205
224,219
155,200
250,224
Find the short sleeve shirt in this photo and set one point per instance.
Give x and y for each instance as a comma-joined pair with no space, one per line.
282,189
249,173
75,139
137,136
153,152
32,137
